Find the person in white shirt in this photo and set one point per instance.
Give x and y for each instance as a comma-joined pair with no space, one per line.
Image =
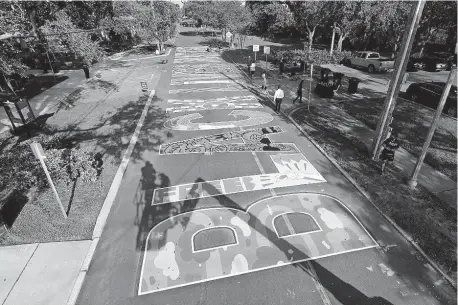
278,98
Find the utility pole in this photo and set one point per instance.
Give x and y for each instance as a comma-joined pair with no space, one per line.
412,182
333,35
396,78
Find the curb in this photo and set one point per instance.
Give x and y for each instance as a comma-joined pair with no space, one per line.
362,191
369,198
108,203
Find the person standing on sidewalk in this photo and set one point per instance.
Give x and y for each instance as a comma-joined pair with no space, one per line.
390,145
264,81
278,98
299,92
86,70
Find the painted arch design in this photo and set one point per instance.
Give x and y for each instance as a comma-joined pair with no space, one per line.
170,261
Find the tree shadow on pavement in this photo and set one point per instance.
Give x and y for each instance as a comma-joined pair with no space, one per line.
112,133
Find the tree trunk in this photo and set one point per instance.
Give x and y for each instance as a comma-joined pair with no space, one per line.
340,42
311,34
396,44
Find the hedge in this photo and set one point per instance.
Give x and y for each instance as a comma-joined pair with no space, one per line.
317,57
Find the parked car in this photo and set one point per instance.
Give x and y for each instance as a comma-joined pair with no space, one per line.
372,61
429,94
439,61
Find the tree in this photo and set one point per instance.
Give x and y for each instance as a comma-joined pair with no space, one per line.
309,15
270,18
13,22
79,43
437,15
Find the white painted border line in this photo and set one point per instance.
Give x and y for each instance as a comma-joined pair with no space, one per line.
108,203
376,245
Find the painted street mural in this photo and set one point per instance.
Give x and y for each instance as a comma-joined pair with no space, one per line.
249,140
215,243
212,106
185,122
293,170
230,87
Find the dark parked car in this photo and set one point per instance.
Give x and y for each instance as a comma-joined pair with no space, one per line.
429,94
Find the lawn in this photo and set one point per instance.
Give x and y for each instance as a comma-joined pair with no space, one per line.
430,223
412,121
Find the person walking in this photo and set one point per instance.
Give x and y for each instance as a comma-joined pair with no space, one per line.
252,69
249,63
278,98
299,92
86,70
282,65
264,81
390,145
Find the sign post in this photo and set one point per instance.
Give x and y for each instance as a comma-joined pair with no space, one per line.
310,87
266,51
40,155
255,49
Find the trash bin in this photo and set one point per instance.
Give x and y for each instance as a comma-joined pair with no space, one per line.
325,75
353,85
337,77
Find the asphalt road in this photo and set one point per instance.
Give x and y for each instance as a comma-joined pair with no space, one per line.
152,250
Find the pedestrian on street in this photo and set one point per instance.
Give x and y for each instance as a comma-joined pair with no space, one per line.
249,63
252,69
86,70
299,92
264,81
278,98
390,145
282,65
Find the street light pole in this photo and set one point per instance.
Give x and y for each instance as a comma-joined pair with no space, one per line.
396,79
412,182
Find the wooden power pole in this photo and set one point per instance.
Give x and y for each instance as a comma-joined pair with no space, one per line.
396,78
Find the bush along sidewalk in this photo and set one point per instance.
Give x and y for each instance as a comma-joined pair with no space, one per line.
22,172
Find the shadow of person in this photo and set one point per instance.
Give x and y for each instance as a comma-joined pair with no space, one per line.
152,213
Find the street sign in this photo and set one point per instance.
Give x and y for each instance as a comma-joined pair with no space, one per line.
228,34
266,50
144,86
255,48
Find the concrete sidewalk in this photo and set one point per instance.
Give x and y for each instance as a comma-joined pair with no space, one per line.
434,181
42,273
48,100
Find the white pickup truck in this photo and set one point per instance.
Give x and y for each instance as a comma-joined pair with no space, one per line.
371,61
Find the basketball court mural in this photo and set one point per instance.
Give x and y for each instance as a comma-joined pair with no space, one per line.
245,140
215,243
212,243
293,169
185,122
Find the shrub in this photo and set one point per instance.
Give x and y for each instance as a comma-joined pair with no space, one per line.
22,171
317,57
